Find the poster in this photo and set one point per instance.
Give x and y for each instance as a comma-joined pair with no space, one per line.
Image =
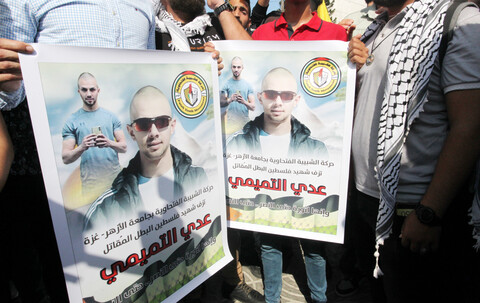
287,111
130,148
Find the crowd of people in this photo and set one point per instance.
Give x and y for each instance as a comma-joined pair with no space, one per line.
415,142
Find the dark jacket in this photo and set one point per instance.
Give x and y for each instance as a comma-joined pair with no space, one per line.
123,199
301,144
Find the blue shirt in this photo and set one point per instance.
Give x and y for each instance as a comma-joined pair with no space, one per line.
96,162
94,23
235,109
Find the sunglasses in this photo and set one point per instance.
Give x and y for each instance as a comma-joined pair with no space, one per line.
286,96
144,124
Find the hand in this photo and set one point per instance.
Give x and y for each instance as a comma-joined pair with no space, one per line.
102,141
233,97
88,141
240,99
348,26
10,72
213,4
419,237
210,48
357,52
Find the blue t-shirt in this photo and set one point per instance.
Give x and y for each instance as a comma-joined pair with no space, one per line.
235,109
96,163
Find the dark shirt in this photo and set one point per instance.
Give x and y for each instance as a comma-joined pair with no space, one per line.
196,42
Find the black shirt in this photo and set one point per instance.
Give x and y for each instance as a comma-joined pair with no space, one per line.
196,42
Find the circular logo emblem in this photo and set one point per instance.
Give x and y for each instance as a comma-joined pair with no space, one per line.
320,77
190,94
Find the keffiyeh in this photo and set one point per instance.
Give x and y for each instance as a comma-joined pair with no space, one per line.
165,23
475,210
411,61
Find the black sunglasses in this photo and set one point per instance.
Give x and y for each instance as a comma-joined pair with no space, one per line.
286,96
144,124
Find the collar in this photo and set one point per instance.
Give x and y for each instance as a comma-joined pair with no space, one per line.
315,23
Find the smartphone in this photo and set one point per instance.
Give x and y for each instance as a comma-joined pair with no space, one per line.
96,130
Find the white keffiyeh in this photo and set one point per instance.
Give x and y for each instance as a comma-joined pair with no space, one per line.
410,63
165,23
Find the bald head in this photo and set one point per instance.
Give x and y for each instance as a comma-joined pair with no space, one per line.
88,90
86,76
151,128
237,67
279,79
149,102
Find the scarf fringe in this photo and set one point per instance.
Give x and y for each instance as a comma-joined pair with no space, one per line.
476,229
377,271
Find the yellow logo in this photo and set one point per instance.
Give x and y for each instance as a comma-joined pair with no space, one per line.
190,94
320,77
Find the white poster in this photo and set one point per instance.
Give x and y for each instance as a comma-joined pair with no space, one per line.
130,148
287,111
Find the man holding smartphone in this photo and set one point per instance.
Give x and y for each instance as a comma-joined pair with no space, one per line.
95,135
237,97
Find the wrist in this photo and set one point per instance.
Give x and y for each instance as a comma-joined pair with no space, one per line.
222,6
426,215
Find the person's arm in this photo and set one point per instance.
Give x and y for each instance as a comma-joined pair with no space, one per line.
10,72
11,88
357,52
232,29
70,153
119,144
224,99
249,103
259,13
21,30
6,152
455,163
209,47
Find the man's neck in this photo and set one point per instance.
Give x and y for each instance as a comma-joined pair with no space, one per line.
277,129
155,168
297,14
90,108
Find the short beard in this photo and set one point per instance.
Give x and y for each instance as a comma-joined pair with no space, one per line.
189,8
389,3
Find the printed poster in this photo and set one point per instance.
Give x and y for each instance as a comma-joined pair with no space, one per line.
287,110
130,149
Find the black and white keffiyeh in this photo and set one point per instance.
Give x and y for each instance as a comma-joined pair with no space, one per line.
410,63
165,23
474,211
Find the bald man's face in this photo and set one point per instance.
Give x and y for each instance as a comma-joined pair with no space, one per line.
237,68
153,127
88,90
278,98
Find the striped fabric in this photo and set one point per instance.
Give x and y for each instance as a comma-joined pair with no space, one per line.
411,61
95,23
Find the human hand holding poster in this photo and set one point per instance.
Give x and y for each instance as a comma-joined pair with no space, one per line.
287,153
129,143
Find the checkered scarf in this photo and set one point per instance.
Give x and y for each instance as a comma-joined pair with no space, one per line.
474,212
411,61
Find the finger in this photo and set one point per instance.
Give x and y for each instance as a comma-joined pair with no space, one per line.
423,251
405,242
16,46
350,31
414,247
10,86
220,68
